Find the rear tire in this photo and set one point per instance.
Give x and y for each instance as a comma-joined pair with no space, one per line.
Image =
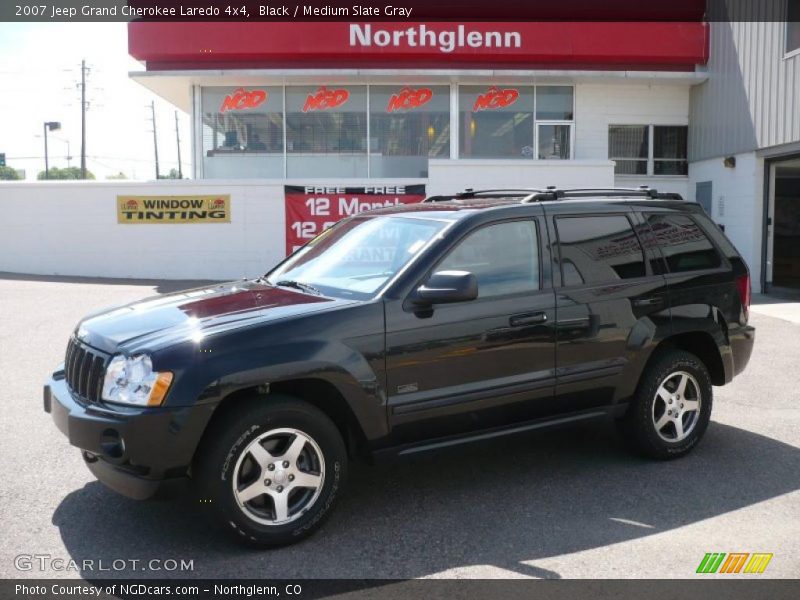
271,469
671,409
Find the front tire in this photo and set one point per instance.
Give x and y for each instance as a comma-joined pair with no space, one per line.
271,469
671,409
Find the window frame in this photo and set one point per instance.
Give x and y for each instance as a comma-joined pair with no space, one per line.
457,155
456,243
646,160
593,215
452,152
651,159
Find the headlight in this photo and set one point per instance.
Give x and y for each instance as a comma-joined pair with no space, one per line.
133,381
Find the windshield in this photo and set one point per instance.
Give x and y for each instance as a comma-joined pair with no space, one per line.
356,257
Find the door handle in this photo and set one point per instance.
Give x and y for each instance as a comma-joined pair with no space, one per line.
528,319
653,301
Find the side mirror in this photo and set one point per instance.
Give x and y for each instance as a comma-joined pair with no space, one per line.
448,286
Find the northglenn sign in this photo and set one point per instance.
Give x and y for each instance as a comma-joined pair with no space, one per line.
630,45
444,40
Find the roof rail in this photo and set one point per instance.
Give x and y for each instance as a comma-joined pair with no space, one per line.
644,191
471,193
553,193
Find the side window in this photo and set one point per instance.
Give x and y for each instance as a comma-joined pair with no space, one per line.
504,257
684,245
598,249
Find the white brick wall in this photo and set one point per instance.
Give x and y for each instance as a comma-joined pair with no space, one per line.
599,105
737,202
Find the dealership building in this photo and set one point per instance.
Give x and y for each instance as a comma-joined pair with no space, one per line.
708,110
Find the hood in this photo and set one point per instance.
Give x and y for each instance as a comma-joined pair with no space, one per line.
193,314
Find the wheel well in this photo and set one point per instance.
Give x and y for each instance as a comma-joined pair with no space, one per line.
703,346
322,394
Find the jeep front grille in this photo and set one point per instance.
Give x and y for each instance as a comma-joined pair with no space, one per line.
84,368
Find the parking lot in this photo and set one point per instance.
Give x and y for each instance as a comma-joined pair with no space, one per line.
560,504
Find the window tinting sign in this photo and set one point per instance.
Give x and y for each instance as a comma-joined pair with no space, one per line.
242,99
173,209
325,99
409,99
495,98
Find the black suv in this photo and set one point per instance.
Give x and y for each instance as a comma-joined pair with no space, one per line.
408,329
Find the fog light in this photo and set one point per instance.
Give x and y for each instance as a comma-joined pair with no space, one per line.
112,444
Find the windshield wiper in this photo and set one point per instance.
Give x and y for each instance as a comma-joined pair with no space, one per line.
299,285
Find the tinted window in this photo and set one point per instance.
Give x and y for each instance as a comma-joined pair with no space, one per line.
685,246
598,249
504,258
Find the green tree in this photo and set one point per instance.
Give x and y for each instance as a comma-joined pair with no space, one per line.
67,173
9,174
173,174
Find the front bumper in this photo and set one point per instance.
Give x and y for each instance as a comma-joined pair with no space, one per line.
131,450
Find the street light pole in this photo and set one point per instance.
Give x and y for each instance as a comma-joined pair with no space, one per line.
48,126
46,162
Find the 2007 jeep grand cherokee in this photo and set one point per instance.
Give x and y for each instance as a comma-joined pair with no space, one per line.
407,329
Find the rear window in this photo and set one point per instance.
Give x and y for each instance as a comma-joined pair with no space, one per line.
684,244
598,249
723,243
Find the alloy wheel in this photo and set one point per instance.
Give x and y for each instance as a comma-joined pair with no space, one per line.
676,407
279,476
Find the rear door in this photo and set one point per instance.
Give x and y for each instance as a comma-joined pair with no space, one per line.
609,302
700,277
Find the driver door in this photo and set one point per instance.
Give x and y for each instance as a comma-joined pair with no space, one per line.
479,363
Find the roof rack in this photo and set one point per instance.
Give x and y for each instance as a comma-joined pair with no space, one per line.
553,193
471,193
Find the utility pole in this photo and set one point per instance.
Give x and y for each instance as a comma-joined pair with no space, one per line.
155,137
83,119
178,138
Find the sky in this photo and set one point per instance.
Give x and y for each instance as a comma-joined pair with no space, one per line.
39,71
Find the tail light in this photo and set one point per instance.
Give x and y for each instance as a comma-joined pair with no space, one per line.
743,286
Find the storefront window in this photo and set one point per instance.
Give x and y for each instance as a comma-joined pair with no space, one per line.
669,151
496,121
242,132
554,142
408,125
554,103
326,131
628,146
648,149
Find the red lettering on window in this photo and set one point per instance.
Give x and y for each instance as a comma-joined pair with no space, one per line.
243,99
409,99
324,99
495,98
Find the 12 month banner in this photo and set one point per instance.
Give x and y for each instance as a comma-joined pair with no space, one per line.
173,209
311,209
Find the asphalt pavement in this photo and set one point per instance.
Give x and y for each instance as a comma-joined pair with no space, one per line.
569,503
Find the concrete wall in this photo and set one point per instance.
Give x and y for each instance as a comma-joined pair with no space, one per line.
448,176
70,228
737,203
